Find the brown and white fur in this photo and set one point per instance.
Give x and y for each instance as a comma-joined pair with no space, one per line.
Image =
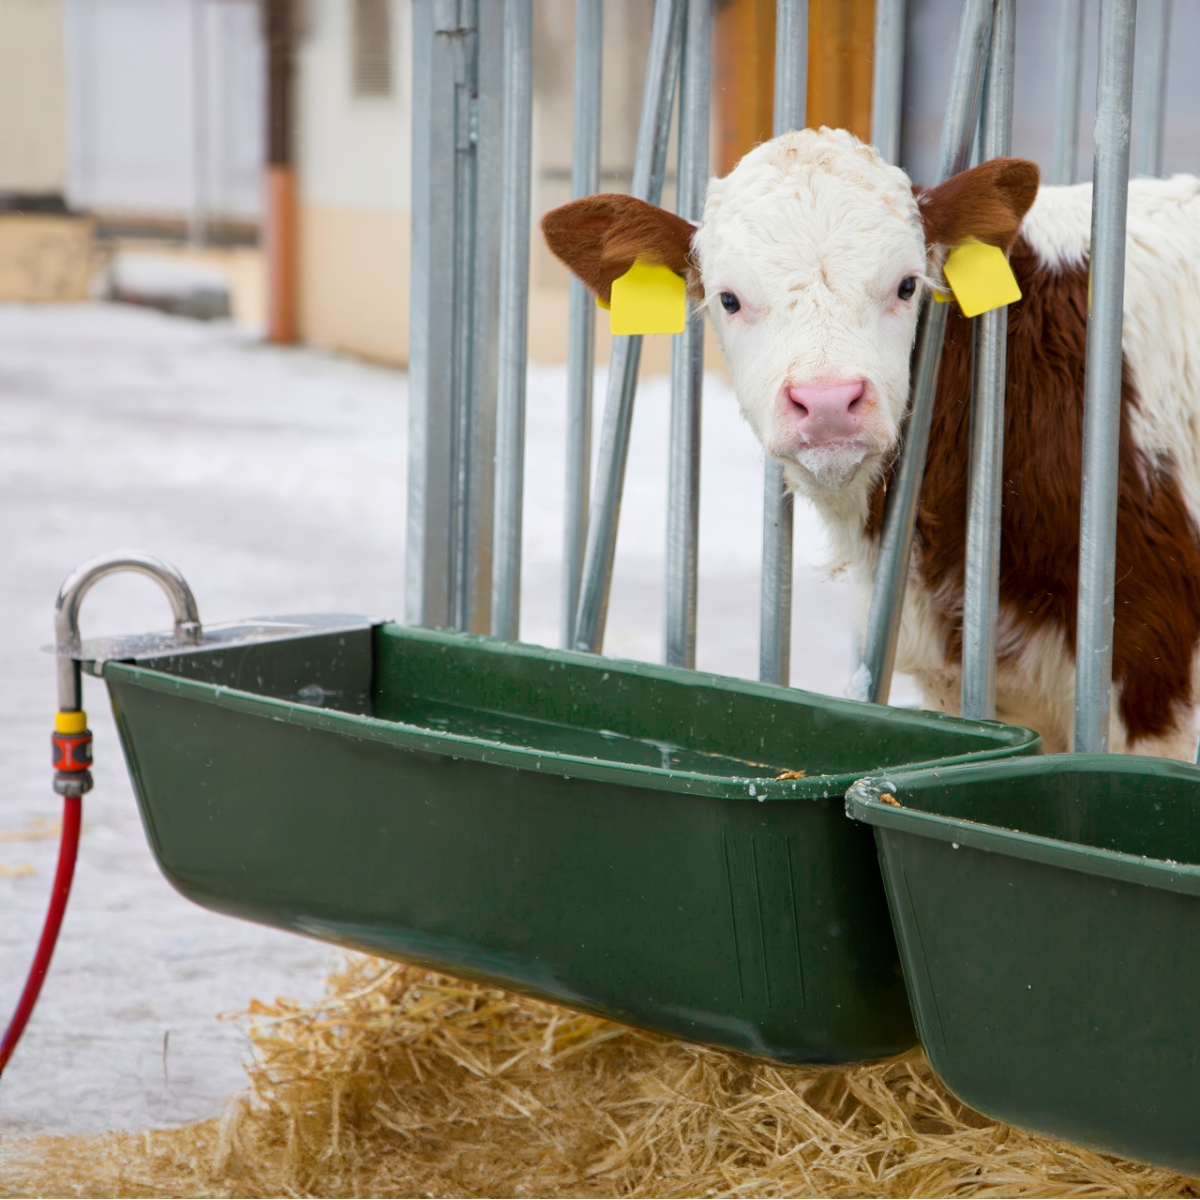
811,261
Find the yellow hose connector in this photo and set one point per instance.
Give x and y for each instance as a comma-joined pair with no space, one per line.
70,722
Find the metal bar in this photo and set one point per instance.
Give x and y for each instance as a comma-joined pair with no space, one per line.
478,452
791,65
1102,379
977,147
775,598
687,353
1066,91
981,589
514,310
581,351
895,542
887,85
662,69
462,200
200,57
1150,98
438,74
775,603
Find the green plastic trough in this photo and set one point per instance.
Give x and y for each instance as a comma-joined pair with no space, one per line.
1048,916
607,835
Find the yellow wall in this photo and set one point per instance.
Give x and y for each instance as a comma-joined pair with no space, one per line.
33,96
354,265
354,225
45,258
353,280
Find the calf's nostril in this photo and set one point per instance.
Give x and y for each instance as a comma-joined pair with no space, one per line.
796,396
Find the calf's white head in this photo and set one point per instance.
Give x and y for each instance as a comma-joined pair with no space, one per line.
811,259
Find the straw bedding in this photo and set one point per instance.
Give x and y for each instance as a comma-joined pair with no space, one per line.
402,1082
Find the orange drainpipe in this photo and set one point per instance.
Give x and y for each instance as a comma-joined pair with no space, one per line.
840,35
281,174
744,77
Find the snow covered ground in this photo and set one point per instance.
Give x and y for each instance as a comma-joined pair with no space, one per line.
275,479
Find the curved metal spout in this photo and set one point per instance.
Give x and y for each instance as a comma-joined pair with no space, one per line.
80,582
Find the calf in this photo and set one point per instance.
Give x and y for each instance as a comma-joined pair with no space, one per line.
811,261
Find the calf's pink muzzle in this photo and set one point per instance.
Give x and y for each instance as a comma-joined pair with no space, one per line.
826,411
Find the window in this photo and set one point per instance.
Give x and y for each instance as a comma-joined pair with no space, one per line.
373,73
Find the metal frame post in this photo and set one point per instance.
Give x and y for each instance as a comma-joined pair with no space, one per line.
514,310
895,543
1066,91
581,346
662,69
1102,379
439,73
687,353
1150,100
452,368
475,465
887,84
981,590
775,604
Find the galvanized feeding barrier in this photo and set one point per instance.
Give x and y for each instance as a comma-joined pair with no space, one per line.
647,842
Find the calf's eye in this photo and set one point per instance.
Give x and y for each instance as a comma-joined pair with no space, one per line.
907,288
729,302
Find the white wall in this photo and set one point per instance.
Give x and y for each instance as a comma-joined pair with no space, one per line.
352,151
932,30
167,106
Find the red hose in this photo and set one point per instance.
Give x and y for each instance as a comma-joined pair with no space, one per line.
67,850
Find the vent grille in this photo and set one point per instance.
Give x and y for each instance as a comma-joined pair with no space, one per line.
373,71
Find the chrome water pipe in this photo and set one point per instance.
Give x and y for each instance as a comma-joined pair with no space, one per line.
82,580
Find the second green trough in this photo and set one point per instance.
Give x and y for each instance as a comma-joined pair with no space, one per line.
608,835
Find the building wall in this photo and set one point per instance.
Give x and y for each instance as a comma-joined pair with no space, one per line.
353,158
354,154
353,164
167,107
33,116
626,43
932,32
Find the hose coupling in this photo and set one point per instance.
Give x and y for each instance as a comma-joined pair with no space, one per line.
72,753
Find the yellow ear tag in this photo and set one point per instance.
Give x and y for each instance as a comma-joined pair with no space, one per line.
648,299
980,277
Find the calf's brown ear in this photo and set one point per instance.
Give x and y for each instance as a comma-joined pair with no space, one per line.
988,203
599,237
